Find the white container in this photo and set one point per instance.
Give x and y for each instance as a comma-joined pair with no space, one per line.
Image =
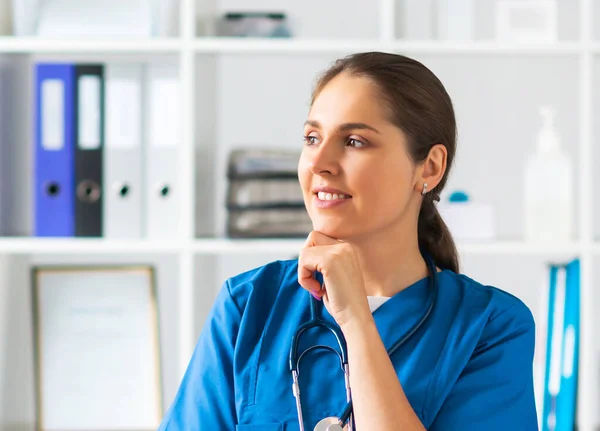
548,188
93,18
456,20
469,221
532,21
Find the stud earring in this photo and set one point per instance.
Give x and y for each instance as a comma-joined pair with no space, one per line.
424,189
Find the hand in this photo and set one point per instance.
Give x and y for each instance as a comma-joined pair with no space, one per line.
343,291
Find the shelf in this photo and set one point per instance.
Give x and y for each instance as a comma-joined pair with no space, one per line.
247,246
226,246
287,246
20,245
28,45
256,45
265,45
520,248
487,47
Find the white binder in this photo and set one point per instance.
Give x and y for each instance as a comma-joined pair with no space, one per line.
162,124
123,174
4,182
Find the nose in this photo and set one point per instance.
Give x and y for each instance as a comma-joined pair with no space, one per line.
325,159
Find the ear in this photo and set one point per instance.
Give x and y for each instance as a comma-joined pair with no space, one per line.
432,169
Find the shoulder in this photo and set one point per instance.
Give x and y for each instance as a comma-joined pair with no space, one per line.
478,317
261,282
484,372
483,302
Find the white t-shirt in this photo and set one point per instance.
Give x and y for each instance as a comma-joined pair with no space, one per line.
376,301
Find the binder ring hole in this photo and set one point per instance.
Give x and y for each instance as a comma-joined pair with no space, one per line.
164,191
124,191
53,189
88,191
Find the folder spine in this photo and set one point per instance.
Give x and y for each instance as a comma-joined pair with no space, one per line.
123,157
54,150
567,398
162,199
89,128
559,410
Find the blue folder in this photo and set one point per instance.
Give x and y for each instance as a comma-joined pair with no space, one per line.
54,197
562,348
567,397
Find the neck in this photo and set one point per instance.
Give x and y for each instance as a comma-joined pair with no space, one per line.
390,260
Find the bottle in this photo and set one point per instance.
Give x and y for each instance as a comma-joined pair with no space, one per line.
548,189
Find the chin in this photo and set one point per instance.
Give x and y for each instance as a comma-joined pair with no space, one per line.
337,230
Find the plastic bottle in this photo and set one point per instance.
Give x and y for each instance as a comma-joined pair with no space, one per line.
548,189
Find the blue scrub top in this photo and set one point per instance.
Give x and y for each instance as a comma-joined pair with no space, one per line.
470,367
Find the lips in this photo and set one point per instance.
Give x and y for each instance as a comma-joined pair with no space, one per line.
329,197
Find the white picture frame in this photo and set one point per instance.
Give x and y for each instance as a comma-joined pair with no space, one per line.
96,348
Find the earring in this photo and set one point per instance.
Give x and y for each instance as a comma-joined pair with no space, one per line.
424,189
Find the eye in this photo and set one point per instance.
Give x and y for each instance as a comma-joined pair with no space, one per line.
310,140
356,143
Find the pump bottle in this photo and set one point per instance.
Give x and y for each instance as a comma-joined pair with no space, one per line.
548,189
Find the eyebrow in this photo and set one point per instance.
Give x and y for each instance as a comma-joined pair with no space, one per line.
344,127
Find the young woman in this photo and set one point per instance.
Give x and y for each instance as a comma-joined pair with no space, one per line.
379,142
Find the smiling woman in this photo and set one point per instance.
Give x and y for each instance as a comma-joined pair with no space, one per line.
421,345
381,128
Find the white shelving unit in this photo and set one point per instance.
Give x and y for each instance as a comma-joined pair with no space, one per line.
204,258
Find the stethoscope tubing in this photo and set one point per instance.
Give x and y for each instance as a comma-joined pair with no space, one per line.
316,321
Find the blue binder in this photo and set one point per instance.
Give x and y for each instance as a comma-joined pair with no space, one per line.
567,397
562,348
54,197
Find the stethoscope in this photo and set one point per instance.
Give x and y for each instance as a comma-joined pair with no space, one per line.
334,423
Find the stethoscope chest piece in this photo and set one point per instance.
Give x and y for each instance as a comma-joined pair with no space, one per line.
329,424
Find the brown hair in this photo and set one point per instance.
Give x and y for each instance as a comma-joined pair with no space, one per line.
420,106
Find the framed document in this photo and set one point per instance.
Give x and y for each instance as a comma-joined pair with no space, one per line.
97,348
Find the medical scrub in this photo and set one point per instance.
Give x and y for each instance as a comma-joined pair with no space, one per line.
469,367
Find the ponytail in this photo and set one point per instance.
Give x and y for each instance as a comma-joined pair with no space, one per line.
435,237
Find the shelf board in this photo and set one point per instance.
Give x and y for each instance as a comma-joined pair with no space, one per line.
238,45
291,246
487,47
24,245
225,246
519,248
235,45
30,45
266,45
246,246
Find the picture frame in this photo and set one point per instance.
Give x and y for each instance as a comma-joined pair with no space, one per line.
97,356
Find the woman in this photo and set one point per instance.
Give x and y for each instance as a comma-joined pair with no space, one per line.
379,141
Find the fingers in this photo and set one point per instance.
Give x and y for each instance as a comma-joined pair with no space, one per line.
311,260
315,257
